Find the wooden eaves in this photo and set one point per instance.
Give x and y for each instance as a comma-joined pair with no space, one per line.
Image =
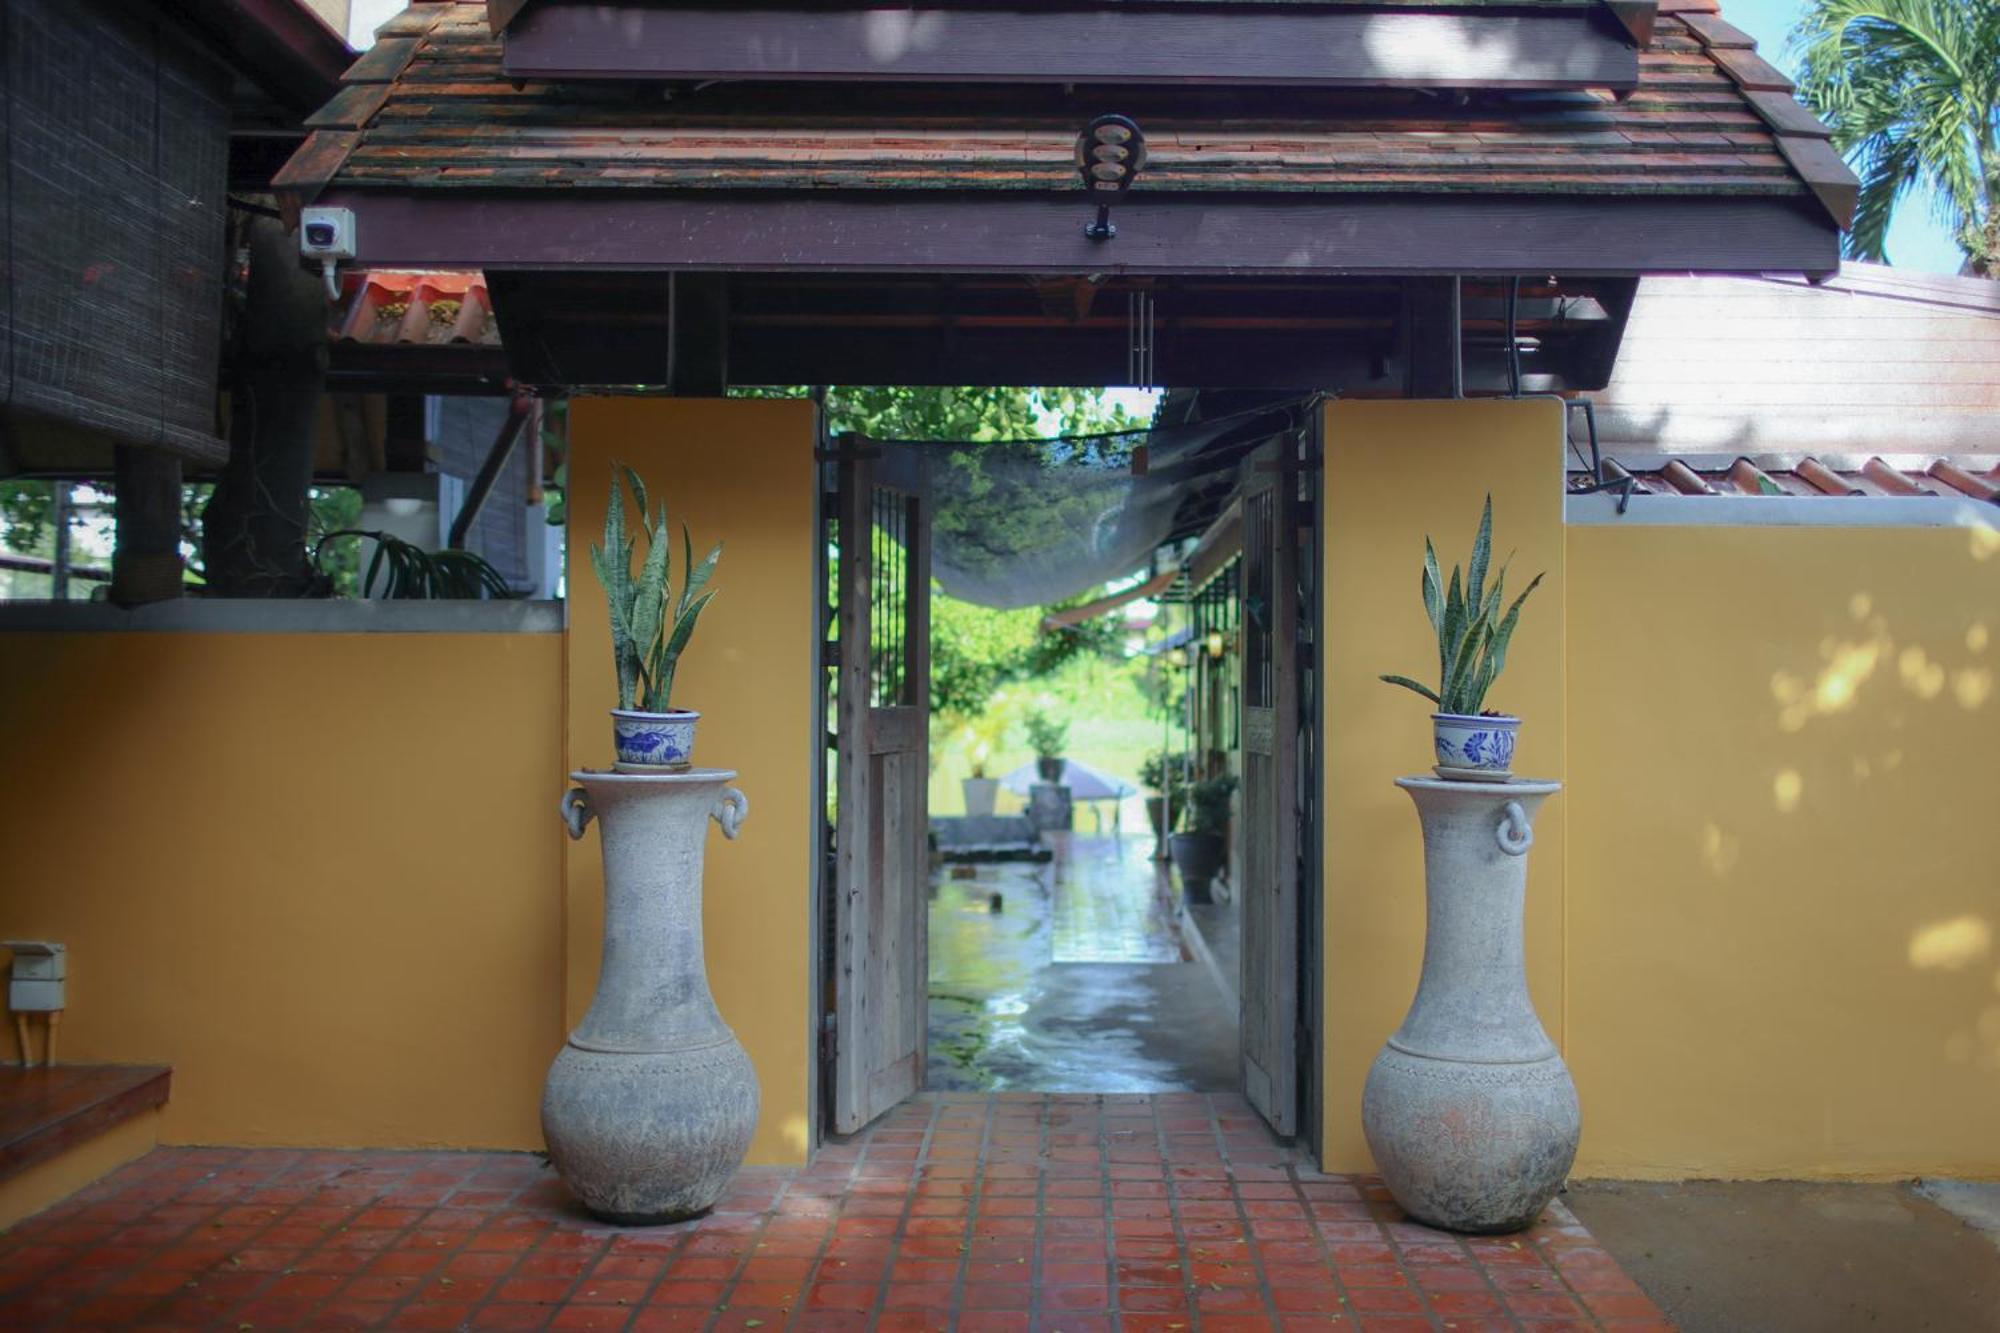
1435,46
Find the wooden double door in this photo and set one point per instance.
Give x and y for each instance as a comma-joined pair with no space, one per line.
878,870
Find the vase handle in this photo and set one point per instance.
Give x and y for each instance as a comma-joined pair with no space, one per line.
576,811
1515,834
731,809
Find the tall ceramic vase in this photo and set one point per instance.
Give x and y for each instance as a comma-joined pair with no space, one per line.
649,1107
1469,1110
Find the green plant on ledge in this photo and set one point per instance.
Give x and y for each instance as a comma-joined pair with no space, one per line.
649,628
415,574
1208,804
1472,634
1165,771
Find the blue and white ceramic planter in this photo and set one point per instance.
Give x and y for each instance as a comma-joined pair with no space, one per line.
654,740
1477,749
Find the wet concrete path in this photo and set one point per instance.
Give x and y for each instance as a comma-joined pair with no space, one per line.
1071,976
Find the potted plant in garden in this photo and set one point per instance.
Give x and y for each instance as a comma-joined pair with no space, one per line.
650,628
1202,851
1469,1111
1165,772
1471,743
983,735
1047,738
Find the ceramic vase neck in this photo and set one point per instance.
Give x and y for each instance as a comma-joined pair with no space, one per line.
652,985
1472,1001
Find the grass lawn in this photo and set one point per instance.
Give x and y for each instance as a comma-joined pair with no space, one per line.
1109,729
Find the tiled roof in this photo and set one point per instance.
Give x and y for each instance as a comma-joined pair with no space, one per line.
428,110
1872,360
385,308
1907,475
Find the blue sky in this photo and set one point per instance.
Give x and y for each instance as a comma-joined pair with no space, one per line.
1916,239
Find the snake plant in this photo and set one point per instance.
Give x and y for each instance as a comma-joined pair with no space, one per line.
1472,634
649,627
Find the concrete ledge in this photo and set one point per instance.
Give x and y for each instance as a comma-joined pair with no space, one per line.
1784,511
284,616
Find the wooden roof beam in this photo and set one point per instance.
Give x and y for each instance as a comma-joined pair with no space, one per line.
1273,45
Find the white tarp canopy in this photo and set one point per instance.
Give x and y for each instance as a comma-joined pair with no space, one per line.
1084,782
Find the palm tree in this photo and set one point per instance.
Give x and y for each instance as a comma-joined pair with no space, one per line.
1912,91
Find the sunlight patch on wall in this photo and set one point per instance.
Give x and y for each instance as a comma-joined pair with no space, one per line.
1972,687
1835,687
1921,676
1947,946
1719,850
1786,789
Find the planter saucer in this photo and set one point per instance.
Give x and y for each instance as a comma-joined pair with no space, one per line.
1451,773
643,770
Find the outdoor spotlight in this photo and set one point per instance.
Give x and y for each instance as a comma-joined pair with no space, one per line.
1109,154
1215,643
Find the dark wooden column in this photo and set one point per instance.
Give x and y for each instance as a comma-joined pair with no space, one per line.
146,561
698,335
1433,358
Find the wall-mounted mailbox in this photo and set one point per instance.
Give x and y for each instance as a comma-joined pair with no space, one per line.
35,986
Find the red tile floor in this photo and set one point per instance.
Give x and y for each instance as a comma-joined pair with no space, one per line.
973,1212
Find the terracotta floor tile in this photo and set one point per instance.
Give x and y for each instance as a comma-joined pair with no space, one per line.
938,1320
1296,1300
511,1315
596,1318
1018,1212
678,1291
1152,1300
669,1319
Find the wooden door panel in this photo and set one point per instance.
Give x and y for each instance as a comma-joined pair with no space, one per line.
1269,833
881,871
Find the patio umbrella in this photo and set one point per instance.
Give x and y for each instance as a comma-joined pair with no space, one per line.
1084,782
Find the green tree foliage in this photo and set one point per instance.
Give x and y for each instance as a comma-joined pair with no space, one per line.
978,415
1912,91
976,650
26,508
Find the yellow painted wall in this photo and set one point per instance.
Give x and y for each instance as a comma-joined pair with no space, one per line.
1396,471
318,874
1784,886
740,471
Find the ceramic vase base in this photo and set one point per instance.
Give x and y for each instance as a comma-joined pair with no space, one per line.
647,1219
1467,1146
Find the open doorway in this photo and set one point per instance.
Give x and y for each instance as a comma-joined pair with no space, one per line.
1006,698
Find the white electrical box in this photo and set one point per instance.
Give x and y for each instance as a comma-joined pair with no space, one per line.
36,984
